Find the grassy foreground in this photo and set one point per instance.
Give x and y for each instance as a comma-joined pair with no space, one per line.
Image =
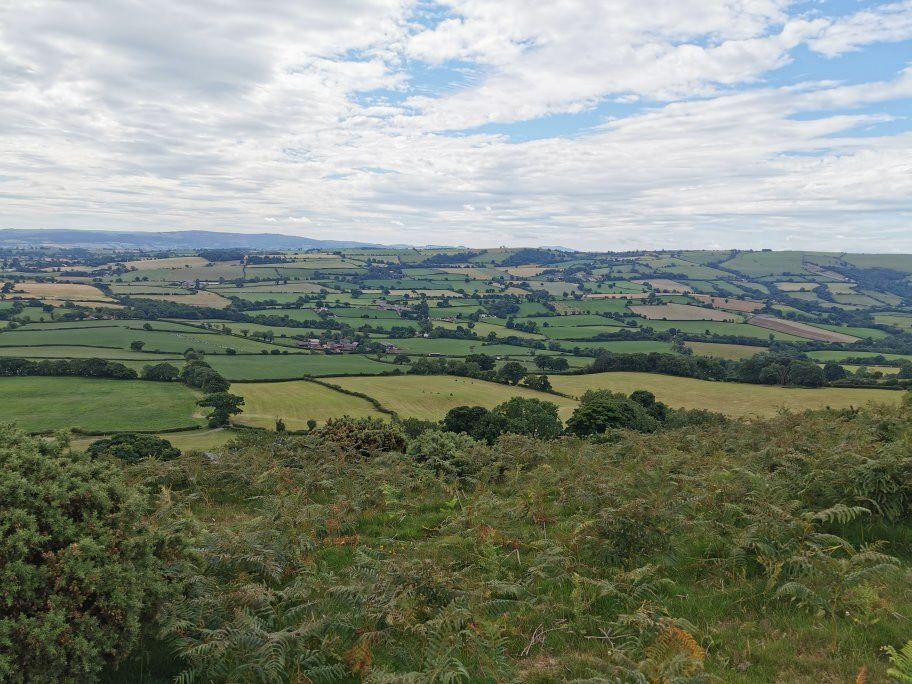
717,553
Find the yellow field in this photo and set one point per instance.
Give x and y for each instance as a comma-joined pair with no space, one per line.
730,303
430,396
524,271
60,292
296,402
734,399
170,262
199,298
683,312
664,284
724,351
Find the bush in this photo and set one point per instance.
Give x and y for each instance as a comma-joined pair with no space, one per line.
365,436
133,448
450,454
78,568
413,427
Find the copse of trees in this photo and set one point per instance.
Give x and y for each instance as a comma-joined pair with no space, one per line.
764,368
85,368
199,374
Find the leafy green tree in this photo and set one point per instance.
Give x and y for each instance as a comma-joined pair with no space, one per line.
537,382
134,447
833,371
532,417
164,372
78,568
512,372
399,359
137,345
485,362
224,405
601,409
806,374
311,425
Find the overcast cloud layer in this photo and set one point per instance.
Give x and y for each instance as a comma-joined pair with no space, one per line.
601,124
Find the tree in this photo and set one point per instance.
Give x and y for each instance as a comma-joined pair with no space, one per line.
833,371
164,372
512,372
485,361
559,363
600,410
147,326
279,425
137,345
133,448
537,382
806,374
311,425
224,405
79,574
532,417
464,418
399,359
543,362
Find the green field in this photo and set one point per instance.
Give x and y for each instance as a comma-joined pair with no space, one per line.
731,398
430,397
41,404
269,367
296,402
725,351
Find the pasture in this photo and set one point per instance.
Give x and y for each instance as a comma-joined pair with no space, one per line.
42,404
430,397
730,398
683,312
272,367
296,402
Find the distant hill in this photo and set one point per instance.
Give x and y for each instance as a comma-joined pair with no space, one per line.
183,239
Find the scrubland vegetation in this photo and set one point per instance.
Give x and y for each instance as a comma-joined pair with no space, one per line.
760,551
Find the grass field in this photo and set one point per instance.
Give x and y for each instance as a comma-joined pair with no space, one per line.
730,303
724,351
734,399
60,292
269,367
296,402
683,312
200,298
167,262
44,403
430,397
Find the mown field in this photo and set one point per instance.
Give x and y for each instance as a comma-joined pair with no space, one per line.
296,402
42,404
430,397
730,398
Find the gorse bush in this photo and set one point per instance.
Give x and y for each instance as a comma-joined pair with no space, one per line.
133,447
79,569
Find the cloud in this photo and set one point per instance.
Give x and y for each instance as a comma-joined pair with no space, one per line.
354,119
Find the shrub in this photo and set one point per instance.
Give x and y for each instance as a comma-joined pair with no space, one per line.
78,569
362,435
133,448
451,454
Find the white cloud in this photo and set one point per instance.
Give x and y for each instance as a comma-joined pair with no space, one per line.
216,114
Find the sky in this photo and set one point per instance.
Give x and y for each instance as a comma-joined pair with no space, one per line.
590,124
